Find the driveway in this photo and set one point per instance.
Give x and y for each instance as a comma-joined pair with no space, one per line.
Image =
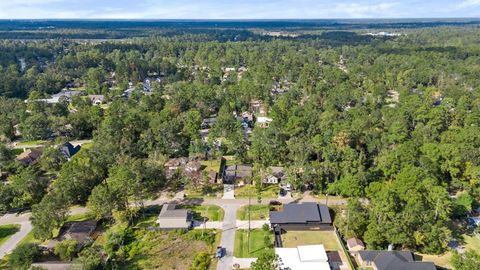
228,191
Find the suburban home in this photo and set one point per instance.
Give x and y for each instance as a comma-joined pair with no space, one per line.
80,231
274,175
193,166
208,122
97,99
302,217
233,173
392,260
312,257
68,150
354,245
263,121
172,219
30,156
174,164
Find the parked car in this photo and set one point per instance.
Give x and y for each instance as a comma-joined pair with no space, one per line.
283,192
275,203
220,252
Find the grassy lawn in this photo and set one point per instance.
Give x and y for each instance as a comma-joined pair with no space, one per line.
29,239
257,241
211,165
8,230
209,191
211,212
268,192
257,212
80,217
298,238
30,143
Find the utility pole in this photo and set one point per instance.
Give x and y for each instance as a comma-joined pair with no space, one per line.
348,220
249,219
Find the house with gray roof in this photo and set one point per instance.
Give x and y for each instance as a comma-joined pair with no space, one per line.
301,217
392,260
233,173
171,218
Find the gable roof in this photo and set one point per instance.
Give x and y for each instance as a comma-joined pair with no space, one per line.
353,242
69,150
394,260
30,156
301,213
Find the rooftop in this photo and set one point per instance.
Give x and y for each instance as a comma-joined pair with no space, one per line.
301,213
312,257
394,260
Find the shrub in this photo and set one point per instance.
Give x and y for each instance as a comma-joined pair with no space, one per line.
24,255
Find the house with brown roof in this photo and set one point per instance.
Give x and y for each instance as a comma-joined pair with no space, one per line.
80,231
30,156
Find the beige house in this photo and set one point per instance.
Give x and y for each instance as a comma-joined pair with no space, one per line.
173,219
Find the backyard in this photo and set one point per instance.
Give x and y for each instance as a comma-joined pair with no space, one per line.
298,238
260,240
471,242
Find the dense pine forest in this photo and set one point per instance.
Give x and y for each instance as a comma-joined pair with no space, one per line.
391,122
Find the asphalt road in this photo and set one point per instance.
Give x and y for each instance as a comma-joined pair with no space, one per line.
229,224
228,235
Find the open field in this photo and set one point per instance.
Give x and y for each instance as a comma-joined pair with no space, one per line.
169,250
297,238
257,212
258,243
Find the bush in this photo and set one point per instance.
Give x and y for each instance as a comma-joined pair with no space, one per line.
89,259
24,255
201,262
66,249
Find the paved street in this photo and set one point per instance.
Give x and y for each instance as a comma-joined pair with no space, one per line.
228,226
228,235
12,242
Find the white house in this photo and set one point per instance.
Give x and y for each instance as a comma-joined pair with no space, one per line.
312,257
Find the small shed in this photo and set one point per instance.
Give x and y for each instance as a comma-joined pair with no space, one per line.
354,244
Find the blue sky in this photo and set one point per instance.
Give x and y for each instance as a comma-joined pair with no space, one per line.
246,9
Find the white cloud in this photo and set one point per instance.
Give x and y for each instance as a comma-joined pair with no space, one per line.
469,3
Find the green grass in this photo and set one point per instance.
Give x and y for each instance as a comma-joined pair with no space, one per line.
268,192
80,217
298,238
211,165
257,243
206,191
471,242
30,143
257,212
8,230
29,239
210,212
169,250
